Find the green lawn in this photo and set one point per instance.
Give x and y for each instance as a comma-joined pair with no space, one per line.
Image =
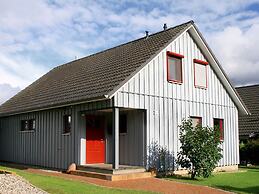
59,185
244,181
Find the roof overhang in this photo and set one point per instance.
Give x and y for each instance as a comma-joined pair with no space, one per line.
101,98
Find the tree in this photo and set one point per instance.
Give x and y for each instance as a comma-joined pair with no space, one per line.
249,151
199,151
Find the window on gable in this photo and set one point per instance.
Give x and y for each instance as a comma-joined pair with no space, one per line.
219,124
196,121
67,124
200,73
28,125
174,67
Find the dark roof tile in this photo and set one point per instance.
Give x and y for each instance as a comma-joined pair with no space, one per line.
89,77
249,123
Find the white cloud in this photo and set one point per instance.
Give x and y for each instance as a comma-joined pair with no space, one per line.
38,35
7,91
237,49
18,74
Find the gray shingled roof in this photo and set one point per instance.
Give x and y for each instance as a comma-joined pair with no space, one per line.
90,77
249,123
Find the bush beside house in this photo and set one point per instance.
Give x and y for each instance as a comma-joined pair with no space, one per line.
199,151
249,152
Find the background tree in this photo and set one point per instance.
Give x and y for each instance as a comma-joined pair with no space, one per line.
199,151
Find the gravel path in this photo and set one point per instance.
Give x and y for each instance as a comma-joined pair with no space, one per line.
12,184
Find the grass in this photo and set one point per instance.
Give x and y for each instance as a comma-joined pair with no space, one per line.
244,181
62,186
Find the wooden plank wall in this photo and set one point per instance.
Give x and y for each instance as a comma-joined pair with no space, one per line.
46,146
167,103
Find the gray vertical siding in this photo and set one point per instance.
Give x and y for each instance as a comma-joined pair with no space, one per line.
132,144
46,146
164,104
167,104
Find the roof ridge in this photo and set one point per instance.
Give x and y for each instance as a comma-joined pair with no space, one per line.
132,41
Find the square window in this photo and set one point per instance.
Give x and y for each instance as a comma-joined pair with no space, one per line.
219,125
200,73
28,125
196,121
67,124
174,67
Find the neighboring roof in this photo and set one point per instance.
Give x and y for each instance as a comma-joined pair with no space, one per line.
91,77
249,123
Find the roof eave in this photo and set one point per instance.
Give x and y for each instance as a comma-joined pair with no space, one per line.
101,98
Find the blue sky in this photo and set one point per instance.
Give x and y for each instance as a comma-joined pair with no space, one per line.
37,35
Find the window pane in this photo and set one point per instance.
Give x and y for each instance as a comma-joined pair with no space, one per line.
219,124
67,124
216,123
32,124
200,75
26,126
174,69
22,125
196,121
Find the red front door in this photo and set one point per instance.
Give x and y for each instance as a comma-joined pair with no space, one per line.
95,140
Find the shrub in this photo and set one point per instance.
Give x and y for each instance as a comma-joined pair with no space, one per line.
249,151
159,159
199,151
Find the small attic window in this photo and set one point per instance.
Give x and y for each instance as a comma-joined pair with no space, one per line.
200,74
174,67
28,125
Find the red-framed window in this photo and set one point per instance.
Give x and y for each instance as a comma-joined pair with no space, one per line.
174,67
219,124
196,121
200,73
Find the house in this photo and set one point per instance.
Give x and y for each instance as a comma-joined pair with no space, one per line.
108,108
249,124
